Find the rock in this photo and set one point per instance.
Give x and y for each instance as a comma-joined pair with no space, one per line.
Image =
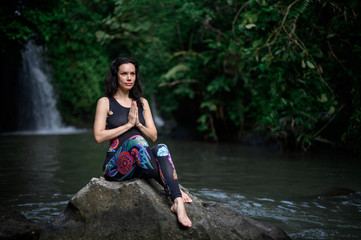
139,209
13,225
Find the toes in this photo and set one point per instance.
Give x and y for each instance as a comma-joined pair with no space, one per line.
185,197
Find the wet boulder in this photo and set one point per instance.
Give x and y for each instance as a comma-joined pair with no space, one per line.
139,209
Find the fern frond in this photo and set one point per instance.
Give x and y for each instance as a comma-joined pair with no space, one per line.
299,9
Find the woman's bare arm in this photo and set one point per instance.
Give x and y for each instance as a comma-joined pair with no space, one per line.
149,130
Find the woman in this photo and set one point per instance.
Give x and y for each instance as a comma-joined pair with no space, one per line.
124,117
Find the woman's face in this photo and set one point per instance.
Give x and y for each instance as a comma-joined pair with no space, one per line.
126,76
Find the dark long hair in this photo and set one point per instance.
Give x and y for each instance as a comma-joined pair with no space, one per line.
111,81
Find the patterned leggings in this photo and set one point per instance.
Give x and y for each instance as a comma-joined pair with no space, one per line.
135,159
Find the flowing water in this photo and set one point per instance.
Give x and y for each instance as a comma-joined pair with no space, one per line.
307,195
37,111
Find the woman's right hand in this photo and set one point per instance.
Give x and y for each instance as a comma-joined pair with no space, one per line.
133,114
101,133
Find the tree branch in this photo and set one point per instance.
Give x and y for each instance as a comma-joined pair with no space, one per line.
237,15
171,84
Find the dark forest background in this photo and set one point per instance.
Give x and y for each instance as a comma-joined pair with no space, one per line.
287,72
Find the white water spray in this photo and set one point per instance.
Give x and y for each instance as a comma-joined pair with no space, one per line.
158,121
37,101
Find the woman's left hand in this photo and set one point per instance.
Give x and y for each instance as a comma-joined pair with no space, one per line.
135,108
133,114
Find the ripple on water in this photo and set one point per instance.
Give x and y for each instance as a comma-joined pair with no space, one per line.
41,212
323,222
41,209
265,199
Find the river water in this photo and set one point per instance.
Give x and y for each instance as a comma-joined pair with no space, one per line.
310,196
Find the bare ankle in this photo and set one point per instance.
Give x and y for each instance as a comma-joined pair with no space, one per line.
178,200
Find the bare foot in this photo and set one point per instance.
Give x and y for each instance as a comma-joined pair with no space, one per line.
180,211
185,197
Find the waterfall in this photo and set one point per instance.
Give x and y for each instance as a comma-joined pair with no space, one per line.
158,121
37,110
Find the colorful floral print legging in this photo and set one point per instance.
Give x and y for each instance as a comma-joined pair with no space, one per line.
135,159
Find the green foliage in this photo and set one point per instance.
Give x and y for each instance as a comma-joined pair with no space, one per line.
79,62
282,68
19,21
270,66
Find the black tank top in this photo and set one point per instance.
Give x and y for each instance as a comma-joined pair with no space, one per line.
118,116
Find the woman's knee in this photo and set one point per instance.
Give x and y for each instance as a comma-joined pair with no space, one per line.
160,150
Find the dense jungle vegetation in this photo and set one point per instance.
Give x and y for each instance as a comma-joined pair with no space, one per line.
287,70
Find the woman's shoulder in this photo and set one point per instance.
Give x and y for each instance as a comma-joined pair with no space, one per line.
143,100
103,101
